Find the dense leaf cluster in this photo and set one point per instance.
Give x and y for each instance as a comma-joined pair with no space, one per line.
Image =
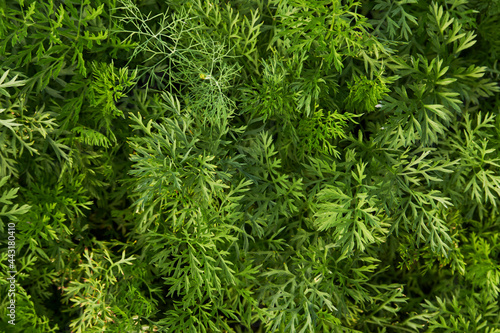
250,166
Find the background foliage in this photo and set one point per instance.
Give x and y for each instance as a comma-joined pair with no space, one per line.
251,166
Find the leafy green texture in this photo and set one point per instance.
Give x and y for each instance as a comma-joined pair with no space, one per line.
250,166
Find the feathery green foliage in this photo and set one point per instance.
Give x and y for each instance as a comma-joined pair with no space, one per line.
250,166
